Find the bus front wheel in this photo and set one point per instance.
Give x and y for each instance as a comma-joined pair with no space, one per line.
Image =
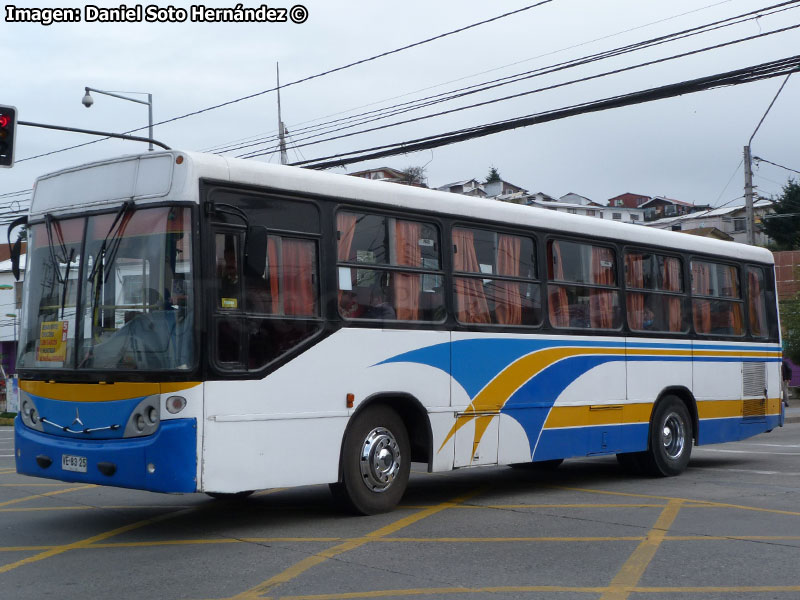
670,444
376,461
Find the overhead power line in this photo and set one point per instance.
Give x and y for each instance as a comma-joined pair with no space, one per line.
382,113
529,92
310,77
767,70
222,146
757,159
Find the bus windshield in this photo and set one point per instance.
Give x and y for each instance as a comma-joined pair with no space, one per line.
111,291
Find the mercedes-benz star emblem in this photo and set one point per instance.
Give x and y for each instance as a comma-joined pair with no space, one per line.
77,419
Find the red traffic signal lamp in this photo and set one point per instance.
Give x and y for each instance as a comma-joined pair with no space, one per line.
8,125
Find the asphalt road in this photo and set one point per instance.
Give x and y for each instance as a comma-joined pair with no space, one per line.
728,528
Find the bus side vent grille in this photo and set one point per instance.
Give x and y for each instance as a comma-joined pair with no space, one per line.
754,409
754,379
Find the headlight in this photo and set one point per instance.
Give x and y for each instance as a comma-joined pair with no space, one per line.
176,404
144,419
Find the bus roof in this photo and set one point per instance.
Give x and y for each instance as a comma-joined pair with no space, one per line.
173,176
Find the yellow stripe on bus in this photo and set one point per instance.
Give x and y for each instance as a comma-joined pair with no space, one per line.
101,392
589,415
613,414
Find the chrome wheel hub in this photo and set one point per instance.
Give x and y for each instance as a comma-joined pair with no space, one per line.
673,436
380,459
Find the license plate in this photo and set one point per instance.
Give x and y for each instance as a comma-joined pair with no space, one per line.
73,463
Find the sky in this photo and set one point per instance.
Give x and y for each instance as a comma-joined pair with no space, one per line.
689,147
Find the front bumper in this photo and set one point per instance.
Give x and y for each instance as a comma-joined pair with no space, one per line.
172,451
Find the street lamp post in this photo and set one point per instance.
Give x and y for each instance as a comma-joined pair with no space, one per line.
88,101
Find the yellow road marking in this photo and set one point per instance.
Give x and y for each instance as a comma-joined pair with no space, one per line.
454,590
690,503
414,540
749,589
85,543
495,540
633,569
577,505
307,563
540,588
56,550
33,484
53,493
81,507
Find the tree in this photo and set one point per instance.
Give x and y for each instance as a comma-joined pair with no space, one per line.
783,226
790,320
494,175
414,176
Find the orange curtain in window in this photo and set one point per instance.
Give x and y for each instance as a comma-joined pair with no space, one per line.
601,301
274,274
735,317
557,302
346,229
756,306
407,286
701,284
672,283
634,278
508,307
470,299
298,284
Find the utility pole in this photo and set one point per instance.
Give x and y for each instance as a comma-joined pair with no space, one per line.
281,127
748,173
748,195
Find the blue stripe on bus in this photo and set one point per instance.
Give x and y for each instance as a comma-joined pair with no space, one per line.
715,431
172,450
92,415
596,439
632,437
474,363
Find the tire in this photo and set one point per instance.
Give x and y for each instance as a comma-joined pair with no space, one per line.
375,463
229,495
542,465
670,443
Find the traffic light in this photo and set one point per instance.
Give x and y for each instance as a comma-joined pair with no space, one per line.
8,124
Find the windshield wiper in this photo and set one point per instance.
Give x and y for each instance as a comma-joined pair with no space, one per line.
115,242
49,221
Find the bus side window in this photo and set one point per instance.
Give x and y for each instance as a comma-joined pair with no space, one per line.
496,279
229,285
756,302
654,295
582,289
408,274
717,299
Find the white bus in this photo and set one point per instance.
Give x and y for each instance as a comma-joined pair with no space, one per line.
194,323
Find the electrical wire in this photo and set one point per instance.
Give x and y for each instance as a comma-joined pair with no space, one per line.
529,92
221,147
757,159
737,77
739,166
310,77
400,108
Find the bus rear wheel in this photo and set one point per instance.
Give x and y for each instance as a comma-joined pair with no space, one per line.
670,444
376,461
